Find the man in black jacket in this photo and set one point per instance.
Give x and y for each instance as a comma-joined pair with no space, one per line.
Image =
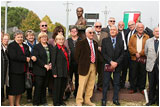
112,51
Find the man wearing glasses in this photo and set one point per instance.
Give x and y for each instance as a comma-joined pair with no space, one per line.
86,53
98,36
44,28
111,22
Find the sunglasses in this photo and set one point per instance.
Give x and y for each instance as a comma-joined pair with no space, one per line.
91,32
98,26
44,25
60,31
112,21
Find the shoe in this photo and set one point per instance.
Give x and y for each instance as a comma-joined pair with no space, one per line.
57,104
90,103
29,100
103,103
79,104
150,103
45,104
116,103
99,89
63,104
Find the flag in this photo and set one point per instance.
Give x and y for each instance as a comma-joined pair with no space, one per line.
128,16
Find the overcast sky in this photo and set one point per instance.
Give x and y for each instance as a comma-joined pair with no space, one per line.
56,10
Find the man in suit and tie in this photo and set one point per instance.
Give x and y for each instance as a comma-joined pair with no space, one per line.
86,54
125,65
111,22
152,66
129,32
112,51
98,37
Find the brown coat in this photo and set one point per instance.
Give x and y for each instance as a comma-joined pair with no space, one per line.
132,46
102,36
83,56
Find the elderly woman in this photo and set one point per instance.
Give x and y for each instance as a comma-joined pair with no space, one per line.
18,54
31,42
4,64
41,68
60,69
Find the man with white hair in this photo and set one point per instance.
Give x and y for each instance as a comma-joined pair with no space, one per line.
98,37
152,66
86,53
138,59
111,22
112,51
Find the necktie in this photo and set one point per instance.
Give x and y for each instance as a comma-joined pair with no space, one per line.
156,43
92,53
113,42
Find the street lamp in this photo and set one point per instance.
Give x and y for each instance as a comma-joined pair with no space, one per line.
5,30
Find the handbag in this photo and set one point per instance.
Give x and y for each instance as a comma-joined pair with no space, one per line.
28,80
108,68
141,60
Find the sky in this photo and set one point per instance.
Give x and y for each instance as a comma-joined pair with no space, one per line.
56,10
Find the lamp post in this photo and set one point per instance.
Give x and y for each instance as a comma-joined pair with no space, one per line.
6,7
67,18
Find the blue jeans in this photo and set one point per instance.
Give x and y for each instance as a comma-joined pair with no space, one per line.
116,82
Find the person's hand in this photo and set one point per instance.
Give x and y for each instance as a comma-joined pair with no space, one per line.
47,67
99,48
55,76
28,59
114,64
137,55
50,65
33,58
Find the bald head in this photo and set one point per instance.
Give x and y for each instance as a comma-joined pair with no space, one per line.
120,25
131,25
43,26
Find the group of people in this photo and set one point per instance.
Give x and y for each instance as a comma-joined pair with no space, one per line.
53,61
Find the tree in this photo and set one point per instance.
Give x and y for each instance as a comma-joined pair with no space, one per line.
15,16
30,22
49,22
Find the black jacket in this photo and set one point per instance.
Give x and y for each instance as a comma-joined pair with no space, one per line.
59,63
17,59
4,66
41,55
72,49
111,54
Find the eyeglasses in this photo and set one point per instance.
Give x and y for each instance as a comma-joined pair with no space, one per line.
60,31
98,26
91,32
44,25
112,21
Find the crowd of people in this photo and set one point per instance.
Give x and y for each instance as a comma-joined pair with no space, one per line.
103,51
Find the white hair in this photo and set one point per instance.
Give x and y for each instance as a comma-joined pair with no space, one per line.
88,29
97,22
139,23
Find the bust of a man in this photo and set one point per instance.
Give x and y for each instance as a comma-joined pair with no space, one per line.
81,20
